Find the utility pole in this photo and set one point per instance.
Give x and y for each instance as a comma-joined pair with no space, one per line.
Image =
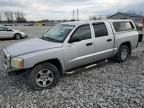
73,16
78,14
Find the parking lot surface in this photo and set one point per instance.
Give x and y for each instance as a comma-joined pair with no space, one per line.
108,85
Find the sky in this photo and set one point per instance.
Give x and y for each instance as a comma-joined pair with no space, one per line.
62,9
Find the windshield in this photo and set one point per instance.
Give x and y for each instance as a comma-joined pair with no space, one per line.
58,33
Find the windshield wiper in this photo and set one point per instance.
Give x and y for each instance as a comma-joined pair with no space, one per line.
49,39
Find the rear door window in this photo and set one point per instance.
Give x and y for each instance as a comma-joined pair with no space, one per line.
100,30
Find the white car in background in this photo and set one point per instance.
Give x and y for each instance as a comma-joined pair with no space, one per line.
6,32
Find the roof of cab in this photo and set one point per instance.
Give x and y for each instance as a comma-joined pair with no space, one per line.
94,21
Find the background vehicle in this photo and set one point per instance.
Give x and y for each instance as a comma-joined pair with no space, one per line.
68,46
6,32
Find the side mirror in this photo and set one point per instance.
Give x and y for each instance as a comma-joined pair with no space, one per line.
74,39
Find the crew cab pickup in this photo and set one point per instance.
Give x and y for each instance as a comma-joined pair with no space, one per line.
68,46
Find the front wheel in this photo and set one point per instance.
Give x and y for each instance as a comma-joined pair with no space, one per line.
123,53
43,76
17,36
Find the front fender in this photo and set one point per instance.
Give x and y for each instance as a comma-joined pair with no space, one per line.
31,59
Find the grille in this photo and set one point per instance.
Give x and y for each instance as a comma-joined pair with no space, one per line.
5,59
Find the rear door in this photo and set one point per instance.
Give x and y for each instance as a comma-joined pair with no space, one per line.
104,40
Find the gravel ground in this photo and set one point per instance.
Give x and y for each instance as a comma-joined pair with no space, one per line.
109,85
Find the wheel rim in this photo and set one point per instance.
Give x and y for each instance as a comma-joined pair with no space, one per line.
44,78
124,54
18,36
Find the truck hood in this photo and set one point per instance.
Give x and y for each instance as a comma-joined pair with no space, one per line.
30,46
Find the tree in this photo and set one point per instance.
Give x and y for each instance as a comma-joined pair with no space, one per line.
20,17
93,18
96,18
17,16
9,16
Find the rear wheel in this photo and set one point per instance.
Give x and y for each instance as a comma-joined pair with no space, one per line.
123,53
43,76
18,36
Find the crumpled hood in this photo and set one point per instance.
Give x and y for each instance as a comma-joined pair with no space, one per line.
30,46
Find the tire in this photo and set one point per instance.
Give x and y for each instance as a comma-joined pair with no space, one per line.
123,54
38,81
17,36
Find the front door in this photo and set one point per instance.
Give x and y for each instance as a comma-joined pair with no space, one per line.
79,51
5,32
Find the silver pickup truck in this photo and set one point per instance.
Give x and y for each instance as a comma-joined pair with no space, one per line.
68,46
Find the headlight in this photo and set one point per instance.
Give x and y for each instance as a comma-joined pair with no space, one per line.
17,63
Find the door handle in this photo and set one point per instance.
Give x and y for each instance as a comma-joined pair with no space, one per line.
89,44
109,40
